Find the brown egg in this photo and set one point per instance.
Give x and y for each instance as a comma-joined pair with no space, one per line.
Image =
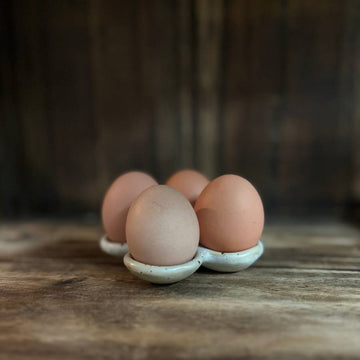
189,182
118,199
230,214
162,228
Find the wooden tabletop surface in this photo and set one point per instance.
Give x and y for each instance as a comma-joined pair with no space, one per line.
62,298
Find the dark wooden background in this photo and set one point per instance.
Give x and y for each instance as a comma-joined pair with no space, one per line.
268,89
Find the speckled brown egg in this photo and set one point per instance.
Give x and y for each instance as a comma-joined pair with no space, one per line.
189,182
162,227
117,202
230,214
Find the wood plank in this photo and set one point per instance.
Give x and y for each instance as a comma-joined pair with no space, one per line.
159,66
351,95
255,315
187,84
63,298
30,44
254,92
11,155
317,246
123,117
209,18
70,99
310,145
264,89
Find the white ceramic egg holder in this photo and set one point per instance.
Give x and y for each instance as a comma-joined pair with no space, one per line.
214,260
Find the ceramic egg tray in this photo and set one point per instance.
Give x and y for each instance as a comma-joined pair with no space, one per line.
214,260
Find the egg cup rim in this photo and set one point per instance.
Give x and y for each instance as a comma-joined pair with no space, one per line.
197,257
259,245
163,274
231,261
113,248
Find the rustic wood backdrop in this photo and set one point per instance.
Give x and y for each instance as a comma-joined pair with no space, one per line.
268,89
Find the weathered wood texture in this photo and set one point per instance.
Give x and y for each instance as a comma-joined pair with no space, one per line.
264,88
61,298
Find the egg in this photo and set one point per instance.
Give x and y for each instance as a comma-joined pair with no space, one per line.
117,202
230,214
189,182
162,228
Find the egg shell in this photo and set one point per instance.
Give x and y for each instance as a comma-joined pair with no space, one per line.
189,182
117,202
162,227
230,214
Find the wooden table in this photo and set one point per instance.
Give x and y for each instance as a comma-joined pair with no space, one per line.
62,298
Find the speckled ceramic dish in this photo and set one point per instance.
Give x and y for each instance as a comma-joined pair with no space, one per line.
113,248
163,274
214,260
231,262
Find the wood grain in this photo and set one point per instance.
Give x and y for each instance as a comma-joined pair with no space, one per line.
11,154
32,105
187,84
68,66
254,91
209,15
123,132
159,66
61,298
313,92
264,89
351,70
